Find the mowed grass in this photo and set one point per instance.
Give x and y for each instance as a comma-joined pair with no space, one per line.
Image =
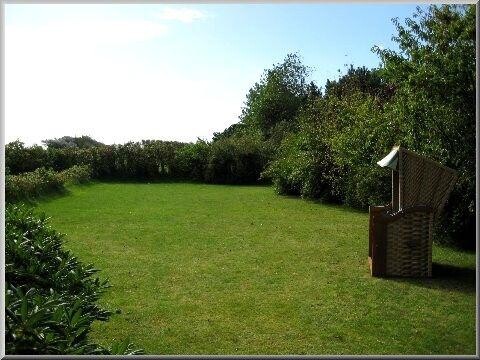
210,269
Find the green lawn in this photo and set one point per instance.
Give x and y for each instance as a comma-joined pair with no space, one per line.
209,269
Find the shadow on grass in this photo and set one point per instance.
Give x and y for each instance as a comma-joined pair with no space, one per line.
146,181
328,203
43,197
446,277
55,194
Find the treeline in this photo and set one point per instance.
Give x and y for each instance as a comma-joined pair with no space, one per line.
232,160
324,143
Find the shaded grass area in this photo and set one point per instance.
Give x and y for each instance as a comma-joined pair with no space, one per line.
212,269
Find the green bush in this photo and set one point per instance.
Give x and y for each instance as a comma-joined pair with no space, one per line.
42,181
20,159
50,298
149,159
230,160
287,171
303,163
362,135
101,159
31,184
191,161
235,161
63,158
77,174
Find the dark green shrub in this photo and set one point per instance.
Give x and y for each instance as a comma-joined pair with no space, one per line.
287,171
101,160
20,159
130,160
62,158
235,161
191,161
161,157
362,135
50,296
150,159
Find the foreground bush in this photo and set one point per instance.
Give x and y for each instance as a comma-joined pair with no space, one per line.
50,296
43,181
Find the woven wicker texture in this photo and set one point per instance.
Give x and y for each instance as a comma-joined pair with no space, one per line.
423,181
409,244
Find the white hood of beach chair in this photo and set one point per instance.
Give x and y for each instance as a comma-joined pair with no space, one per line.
391,160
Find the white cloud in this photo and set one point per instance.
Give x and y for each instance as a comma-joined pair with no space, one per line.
185,15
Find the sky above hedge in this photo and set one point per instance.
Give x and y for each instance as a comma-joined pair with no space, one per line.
170,72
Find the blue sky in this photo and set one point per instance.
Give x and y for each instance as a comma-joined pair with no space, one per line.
173,72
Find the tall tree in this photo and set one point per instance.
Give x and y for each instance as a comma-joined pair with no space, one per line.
275,100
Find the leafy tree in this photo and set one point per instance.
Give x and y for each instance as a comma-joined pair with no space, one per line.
81,142
233,130
276,98
422,97
360,79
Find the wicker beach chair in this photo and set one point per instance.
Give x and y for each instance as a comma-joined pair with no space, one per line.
400,234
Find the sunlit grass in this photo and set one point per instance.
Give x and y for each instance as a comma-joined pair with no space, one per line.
208,269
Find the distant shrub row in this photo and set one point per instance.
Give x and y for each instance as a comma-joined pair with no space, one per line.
50,297
226,161
42,181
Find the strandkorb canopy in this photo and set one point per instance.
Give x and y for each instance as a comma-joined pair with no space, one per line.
391,160
418,180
